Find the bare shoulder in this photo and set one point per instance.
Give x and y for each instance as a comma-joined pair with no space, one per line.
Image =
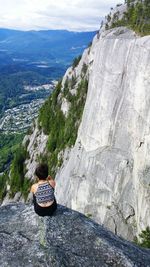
52,183
34,187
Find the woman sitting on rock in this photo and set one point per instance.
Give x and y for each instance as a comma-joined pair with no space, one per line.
43,192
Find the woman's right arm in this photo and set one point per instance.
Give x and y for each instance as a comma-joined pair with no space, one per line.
33,187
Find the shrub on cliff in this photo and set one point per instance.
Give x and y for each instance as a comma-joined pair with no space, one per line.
3,181
18,182
136,17
144,238
76,61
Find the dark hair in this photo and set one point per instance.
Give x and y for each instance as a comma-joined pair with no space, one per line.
41,171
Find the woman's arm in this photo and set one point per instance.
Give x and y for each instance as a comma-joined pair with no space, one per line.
51,181
33,188
49,178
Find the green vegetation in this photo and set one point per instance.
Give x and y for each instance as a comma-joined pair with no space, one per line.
3,182
8,146
76,61
144,238
137,17
89,215
17,180
62,130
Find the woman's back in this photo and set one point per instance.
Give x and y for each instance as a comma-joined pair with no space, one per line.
44,193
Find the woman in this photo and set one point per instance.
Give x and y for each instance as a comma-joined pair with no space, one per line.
43,192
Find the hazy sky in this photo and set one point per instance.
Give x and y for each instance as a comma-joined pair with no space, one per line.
80,15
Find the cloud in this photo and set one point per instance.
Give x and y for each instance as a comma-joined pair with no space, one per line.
79,15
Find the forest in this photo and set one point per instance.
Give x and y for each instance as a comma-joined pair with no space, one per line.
136,17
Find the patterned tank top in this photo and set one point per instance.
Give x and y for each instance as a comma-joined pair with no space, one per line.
44,193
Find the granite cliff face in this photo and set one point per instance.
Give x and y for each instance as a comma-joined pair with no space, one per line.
66,239
107,174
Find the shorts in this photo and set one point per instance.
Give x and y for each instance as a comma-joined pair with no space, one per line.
44,211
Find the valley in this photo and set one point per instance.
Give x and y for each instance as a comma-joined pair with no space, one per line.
20,117
30,64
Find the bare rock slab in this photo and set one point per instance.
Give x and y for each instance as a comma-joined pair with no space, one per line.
66,239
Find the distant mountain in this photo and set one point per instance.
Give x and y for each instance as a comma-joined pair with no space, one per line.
34,58
41,50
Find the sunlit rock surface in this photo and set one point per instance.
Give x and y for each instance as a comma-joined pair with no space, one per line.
36,147
66,239
108,171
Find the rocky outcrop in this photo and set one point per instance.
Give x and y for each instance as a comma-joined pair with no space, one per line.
108,171
66,239
36,146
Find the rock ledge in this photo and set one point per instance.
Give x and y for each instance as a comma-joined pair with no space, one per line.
66,239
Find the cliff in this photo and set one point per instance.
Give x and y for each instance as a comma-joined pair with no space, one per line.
66,239
108,170
103,168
